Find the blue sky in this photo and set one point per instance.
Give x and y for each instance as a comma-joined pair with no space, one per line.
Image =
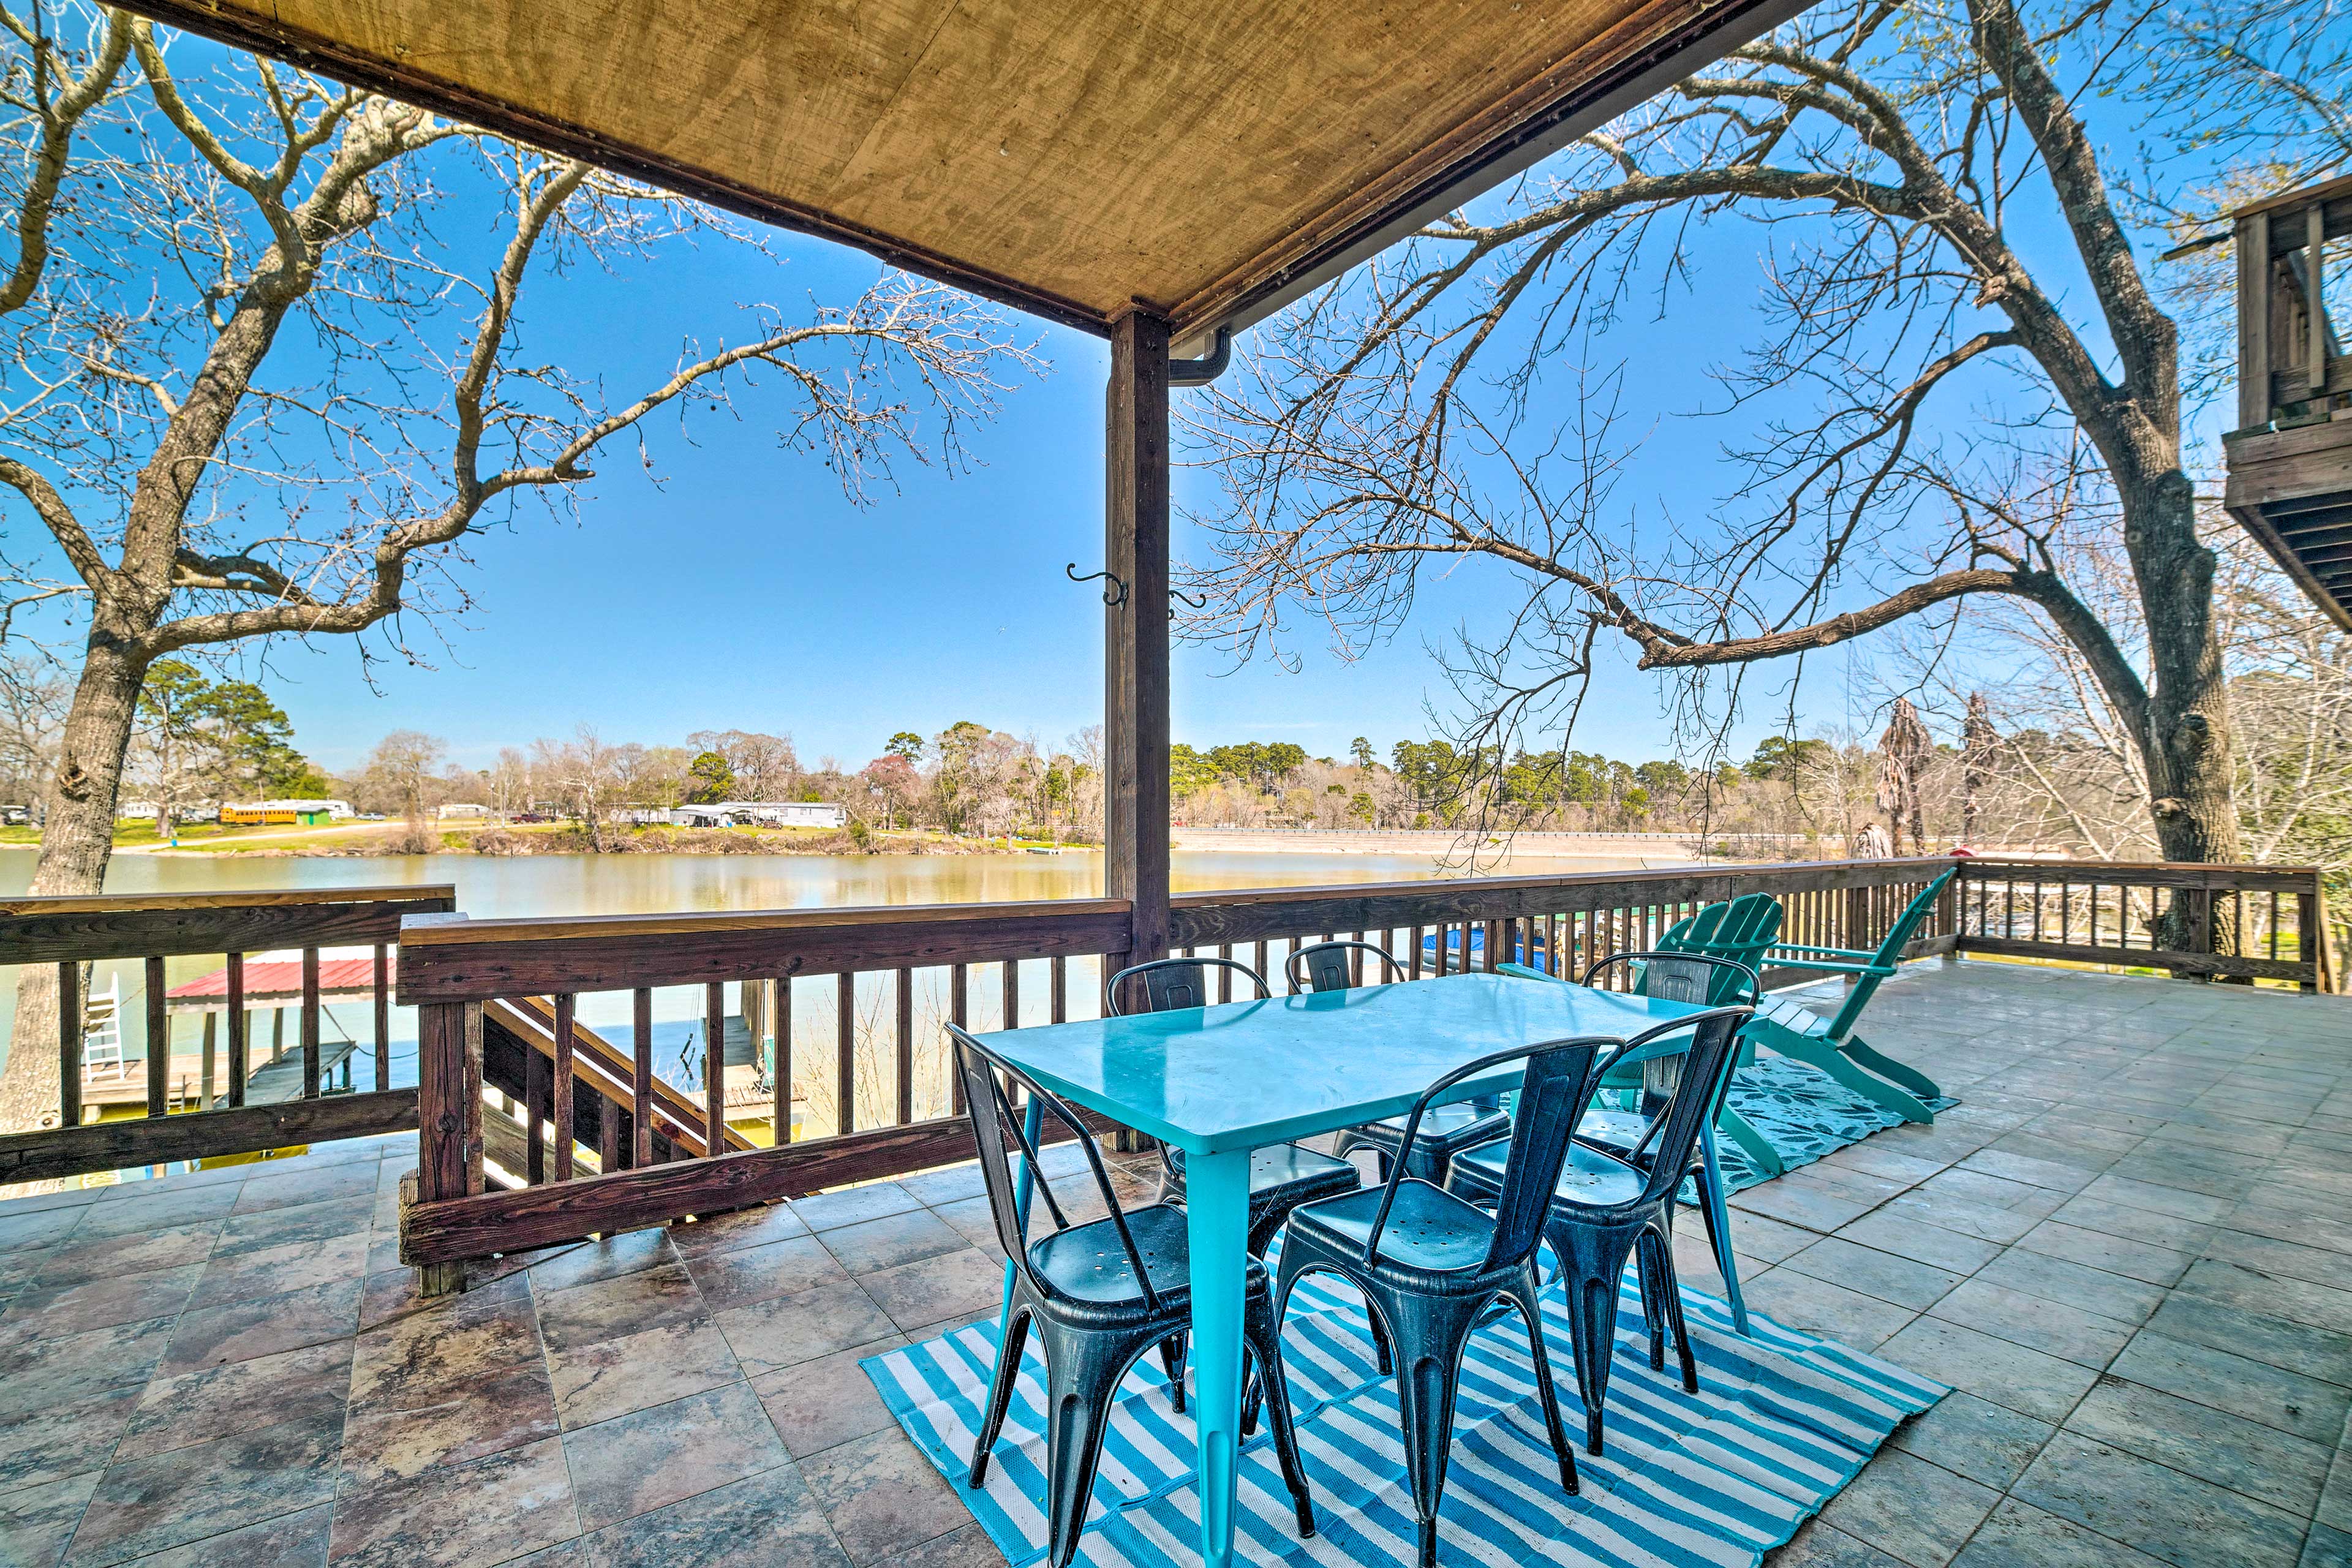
744,591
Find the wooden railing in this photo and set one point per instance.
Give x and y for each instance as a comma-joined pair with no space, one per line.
2245,922
853,999
215,1110
1560,924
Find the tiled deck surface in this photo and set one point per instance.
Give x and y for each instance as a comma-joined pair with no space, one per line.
2129,1249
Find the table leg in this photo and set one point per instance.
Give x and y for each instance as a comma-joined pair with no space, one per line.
1032,1127
1216,1207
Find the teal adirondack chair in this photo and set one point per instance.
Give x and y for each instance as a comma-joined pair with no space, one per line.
1740,930
1795,1031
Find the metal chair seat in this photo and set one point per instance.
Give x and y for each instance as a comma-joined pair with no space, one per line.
1444,1132
1288,1173
1587,1178
1429,1231
1084,1270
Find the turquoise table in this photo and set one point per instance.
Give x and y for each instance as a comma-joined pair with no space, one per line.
1218,1082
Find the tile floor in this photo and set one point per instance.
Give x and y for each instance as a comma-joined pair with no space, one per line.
2129,1249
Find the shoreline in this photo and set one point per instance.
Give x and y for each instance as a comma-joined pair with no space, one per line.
374,841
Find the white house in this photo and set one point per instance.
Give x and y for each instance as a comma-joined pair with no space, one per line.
760,813
336,810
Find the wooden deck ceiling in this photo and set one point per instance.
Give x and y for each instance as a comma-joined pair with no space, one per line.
1076,158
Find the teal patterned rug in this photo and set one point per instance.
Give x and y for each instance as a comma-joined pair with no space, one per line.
1802,1112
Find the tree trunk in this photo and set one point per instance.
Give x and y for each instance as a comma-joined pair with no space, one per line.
77,841
2188,747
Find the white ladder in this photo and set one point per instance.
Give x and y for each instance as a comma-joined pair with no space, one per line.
101,1032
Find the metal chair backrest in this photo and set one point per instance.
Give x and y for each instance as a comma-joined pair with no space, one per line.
1172,982
1558,1080
1676,977
1331,967
983,1074
1705,1061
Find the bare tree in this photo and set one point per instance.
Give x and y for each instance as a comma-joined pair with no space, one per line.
1906,749
1979,741
253,393
1896,149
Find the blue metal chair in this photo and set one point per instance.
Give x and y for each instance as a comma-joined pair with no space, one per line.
1651,1074
1333,966
1428,1264
1281,1177
1657,1070
1605,1209
1099,1295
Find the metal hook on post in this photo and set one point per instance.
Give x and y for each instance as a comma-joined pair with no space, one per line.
1114,595
1200,603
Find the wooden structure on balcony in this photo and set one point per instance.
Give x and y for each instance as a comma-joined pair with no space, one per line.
2290,459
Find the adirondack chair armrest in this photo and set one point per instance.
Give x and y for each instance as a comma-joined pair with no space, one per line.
1820,966
1823,952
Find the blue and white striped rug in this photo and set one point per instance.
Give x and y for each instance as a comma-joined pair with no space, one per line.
1783,1420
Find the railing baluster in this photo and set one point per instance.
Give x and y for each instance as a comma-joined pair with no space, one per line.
69,1024
1012,994
564,1110
959,1010
159,1042
383,1016
906,999
781,1017
236,1041
1059,980
535,1111
714,1067
309,1023
844,1052
641,1090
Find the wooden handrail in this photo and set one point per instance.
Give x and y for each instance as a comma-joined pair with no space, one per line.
474,961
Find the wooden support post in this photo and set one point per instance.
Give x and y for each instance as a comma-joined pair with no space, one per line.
448,1118
2253,249
212,1035
1134,633
2315,274
2310,940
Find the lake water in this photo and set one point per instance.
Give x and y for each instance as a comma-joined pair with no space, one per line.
551,885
